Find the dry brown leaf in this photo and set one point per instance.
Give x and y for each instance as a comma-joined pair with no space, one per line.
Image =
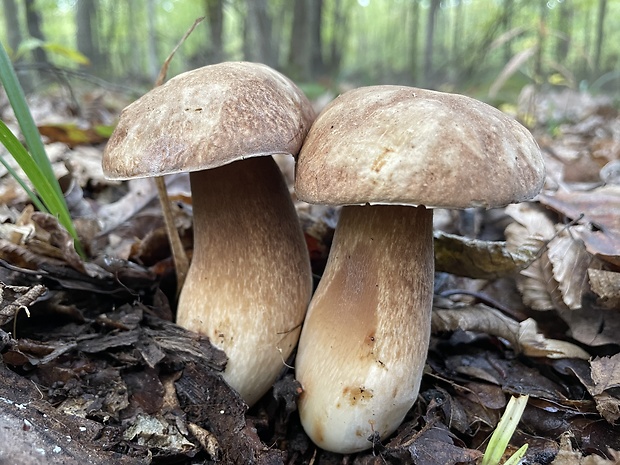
523,337
478,259
558,278
531,230
606,284
599,211
570,262
605,373
568,456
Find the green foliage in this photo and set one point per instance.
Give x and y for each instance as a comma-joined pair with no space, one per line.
55,48
35,162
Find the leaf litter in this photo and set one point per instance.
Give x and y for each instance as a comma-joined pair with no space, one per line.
97,370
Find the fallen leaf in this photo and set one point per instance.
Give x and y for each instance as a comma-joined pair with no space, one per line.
478,259
606,285
524,337
599,210
605,373
568,456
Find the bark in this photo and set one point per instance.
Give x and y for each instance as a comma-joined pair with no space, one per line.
430,37
298,58
565,26
258,45
507,23
340,27
215,16
414,27
600,33
153,62
11,23
33,23
86,19
315,10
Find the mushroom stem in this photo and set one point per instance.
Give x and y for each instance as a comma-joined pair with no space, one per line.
249,281
365,339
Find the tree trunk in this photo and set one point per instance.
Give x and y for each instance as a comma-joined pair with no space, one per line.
340,27
507,23
86,19
298,57
315,10
258,46
135,51
428,46
11,22
414,27
600,28
542,38
153,62
305,60
215,16
33,23
564,26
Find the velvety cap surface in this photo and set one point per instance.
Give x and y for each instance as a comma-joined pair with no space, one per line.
206,118
408,146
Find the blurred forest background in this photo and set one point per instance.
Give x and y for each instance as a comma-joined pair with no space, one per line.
487,48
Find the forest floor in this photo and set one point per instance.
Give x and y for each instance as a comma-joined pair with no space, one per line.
527,302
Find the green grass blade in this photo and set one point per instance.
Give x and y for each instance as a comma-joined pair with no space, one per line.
35,199
517,456
30,167
504,430
35,164
18,101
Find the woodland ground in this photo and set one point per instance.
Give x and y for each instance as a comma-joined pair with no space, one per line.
527,302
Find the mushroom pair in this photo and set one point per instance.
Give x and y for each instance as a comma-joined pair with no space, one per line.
249,281
389,154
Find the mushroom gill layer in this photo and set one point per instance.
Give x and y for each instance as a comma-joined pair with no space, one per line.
249,282
365,338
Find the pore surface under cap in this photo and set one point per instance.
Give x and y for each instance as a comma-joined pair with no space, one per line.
409,146
207,118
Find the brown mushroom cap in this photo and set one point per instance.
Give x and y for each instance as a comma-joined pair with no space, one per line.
408,146
207,118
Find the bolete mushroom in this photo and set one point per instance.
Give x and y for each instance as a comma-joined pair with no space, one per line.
249,281
389,154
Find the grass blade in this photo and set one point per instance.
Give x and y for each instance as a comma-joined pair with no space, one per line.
34,162
504,430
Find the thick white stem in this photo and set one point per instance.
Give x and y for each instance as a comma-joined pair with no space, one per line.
365,339
249,282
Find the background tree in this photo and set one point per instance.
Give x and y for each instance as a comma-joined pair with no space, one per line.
214,10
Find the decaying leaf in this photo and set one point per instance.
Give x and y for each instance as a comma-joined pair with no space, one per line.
157,432
605,373
599,211
558,279
478,259
14,298
568,456
606,284
524,337
570,262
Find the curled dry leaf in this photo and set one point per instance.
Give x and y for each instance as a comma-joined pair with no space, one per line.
13,298
524,337
605,373
558,278
599,211
568,456
478,259
606,284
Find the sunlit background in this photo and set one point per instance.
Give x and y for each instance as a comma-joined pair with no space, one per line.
488,48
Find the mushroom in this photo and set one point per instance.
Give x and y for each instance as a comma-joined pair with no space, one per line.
389,154
249,281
